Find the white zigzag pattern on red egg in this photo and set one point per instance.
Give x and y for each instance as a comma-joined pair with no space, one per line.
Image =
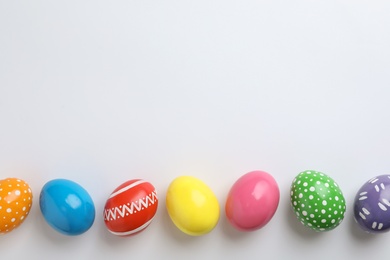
130,208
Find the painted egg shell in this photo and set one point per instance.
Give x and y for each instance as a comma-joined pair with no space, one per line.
372,205
192,206
317,201
15,203
130,207
252,201
67,207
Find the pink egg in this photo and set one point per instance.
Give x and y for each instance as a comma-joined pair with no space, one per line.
252,201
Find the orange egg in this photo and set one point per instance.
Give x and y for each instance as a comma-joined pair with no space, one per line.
15,203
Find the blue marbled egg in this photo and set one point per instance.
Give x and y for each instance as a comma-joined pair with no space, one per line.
372,205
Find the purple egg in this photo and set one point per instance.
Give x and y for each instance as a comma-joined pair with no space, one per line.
372,205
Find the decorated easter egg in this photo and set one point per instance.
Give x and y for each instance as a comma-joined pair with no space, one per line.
317,201
192,206
252,201
130,208
15,203
67,207
372,205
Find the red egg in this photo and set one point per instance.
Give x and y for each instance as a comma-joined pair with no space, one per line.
130,208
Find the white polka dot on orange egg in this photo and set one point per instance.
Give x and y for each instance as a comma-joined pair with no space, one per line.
14,204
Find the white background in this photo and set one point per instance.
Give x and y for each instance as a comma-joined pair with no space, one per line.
101,92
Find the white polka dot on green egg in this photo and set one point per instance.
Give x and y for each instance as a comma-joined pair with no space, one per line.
317,200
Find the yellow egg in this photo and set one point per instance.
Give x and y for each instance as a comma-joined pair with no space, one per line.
192,206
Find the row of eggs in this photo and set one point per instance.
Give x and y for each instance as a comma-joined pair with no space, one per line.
252,201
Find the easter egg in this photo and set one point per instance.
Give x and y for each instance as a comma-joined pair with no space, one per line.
15,203
67,207
252,201
317,201
192,206
130,208
372,205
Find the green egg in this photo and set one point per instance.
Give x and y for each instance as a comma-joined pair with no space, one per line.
317,200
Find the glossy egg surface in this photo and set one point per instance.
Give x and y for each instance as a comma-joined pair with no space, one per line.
67,207
15,203
192,206
252,201
372,205
317,200
131,207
